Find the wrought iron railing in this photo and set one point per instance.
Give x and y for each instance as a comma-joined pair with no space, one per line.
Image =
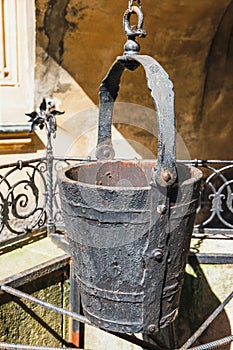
23,197
26,188
29,198
215,213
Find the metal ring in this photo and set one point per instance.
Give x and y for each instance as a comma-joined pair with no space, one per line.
126,22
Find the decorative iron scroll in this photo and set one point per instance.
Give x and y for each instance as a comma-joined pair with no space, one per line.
215,213
24,197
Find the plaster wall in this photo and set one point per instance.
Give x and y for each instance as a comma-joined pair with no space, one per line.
192,41
17,59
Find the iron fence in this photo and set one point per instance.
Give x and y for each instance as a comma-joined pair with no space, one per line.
29,202
27,186
23,197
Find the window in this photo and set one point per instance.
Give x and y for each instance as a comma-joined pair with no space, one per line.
17,56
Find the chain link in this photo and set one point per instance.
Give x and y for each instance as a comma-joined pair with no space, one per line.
130,7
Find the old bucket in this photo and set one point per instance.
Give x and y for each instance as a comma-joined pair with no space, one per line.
129,222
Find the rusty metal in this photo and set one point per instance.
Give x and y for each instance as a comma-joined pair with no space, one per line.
215,344
129,223
27,218
76,331
205,324
158,81
172,336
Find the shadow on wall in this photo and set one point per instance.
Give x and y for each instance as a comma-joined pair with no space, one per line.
197,303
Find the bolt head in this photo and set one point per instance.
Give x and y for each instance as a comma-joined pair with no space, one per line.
161,209
151,328
106,153
157,254
166,175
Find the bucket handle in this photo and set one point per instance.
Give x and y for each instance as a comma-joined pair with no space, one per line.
162,94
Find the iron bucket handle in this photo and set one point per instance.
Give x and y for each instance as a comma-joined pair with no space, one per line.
161,88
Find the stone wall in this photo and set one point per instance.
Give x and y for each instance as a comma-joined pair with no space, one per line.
22,322
192,40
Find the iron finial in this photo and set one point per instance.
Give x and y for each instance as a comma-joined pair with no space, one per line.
44,116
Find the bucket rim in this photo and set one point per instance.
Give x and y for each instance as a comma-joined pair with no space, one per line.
195,173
